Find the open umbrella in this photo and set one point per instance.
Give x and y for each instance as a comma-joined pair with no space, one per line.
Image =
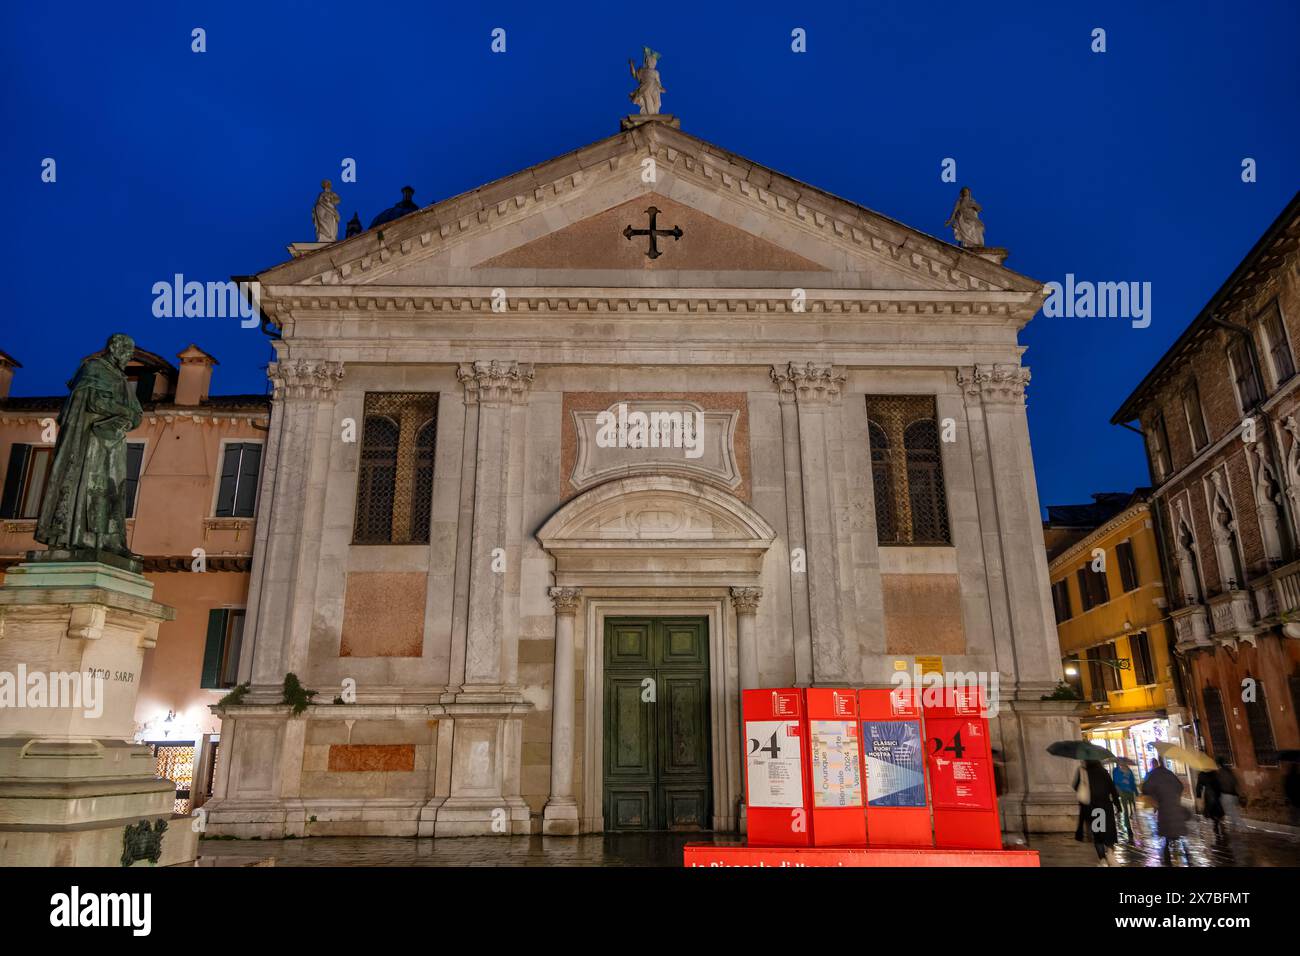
1192,758
1079,750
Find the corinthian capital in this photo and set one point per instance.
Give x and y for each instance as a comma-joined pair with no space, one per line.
495,383
564,600
808,383
304,379
1002,383
745,600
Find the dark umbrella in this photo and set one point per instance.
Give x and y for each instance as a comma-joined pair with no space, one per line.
1079,750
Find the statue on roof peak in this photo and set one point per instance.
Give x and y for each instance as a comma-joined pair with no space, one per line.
648,89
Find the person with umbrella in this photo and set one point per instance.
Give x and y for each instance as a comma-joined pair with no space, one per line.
1098,806
1095,791
1166,790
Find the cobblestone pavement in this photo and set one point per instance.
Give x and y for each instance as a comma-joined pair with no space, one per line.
1246,847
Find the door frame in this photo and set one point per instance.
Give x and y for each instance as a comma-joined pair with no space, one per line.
724,696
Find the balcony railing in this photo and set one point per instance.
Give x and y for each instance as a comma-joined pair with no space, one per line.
1191,627
1286,589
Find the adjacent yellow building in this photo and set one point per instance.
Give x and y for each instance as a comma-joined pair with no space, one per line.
1112,620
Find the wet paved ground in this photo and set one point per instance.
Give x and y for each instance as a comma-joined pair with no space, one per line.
1245,847
1201,847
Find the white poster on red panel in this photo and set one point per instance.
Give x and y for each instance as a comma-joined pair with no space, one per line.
775,763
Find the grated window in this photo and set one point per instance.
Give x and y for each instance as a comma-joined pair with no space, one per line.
907,470
395,476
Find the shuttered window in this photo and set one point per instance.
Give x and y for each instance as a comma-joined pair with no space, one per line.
221,652
25,480
1144,671
237,494
1261,728
1128,572
1061,600
134,458
1279,349
1217,726
1243,372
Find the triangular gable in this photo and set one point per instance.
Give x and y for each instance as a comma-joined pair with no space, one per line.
601,242
532,210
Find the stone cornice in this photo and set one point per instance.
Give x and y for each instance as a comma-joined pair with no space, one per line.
495,383
304,379
286,303
1074,551
1002,383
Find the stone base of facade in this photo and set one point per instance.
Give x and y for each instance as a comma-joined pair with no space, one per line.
560,818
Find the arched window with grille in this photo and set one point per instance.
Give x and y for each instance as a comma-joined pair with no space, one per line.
422,493
925,483
907,470
883,483
395,471
377,480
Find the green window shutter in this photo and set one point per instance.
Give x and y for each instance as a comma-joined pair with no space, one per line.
134,456
212,650
229,479
13,493
250,465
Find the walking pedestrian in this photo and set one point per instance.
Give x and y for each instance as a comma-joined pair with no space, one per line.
1126,785
1098,806
1209,792
1229,794
1166,790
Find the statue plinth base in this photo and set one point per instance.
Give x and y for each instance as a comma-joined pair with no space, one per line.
995,254
640,119
62,556
72,641
298,249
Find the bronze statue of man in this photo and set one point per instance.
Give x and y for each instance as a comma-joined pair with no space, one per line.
85,503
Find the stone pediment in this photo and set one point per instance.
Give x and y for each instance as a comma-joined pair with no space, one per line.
561,224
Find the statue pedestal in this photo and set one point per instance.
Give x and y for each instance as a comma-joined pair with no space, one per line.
72,641
640,119
994,254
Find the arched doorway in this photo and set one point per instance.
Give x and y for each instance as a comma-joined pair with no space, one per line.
652,548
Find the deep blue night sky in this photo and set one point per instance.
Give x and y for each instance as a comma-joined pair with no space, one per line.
1118,166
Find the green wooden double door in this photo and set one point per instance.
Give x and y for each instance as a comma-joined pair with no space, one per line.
657,766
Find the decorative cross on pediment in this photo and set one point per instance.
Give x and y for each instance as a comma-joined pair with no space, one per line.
654,233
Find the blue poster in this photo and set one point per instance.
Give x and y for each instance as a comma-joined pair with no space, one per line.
895,772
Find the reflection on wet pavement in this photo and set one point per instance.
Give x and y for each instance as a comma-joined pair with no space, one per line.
1201,847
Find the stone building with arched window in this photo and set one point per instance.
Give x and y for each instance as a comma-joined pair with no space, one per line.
582,428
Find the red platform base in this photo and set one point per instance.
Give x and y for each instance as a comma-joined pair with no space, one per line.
776,857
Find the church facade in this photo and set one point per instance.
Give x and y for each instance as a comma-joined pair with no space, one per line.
558,466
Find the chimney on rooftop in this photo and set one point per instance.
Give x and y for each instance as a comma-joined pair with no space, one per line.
196,376
7,365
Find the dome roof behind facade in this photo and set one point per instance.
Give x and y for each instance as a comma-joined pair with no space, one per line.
396,212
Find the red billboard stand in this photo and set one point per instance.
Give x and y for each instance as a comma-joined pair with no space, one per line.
893,748
776,767
836,767
961,772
